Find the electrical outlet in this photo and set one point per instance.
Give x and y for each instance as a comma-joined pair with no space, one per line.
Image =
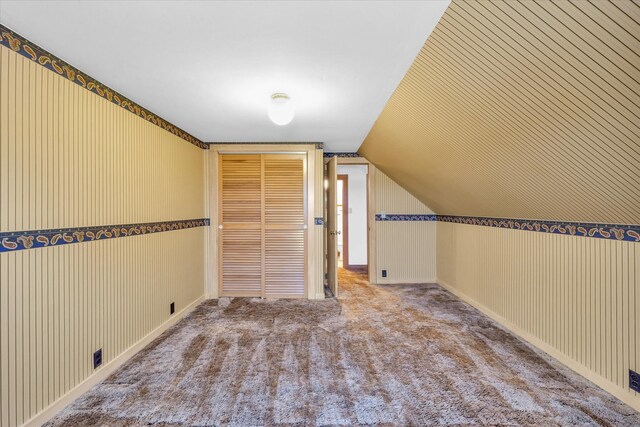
172,308
384,273
634,381
97,358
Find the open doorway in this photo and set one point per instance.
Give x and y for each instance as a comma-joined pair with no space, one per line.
342,222
352,217
348,221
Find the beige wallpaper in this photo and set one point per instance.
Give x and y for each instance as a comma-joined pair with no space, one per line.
530,110
69,158
521,110
574,297
405,249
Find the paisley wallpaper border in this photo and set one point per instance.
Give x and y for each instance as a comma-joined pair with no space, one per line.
20,240
342,155
30,50
406,217
629,233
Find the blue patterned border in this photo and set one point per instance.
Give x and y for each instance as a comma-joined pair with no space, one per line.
630,233
20,240
406,217
328,155
30,50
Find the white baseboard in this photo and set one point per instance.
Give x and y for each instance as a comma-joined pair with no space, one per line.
601,382
102,373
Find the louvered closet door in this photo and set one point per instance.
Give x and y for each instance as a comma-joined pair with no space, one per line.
285,230
241,219
262,215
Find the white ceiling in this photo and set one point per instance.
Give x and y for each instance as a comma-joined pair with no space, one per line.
210,67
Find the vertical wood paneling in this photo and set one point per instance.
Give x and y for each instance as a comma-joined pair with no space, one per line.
392,198
520,109
69,158
406,249
77,330
573,295
75,160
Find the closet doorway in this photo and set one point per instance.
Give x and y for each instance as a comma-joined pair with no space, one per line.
262,212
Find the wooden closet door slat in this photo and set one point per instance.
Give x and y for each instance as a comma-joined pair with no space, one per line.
241,262
284,263
284,189
241,219
241,197
285,213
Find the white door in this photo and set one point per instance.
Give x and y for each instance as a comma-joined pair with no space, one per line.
332,226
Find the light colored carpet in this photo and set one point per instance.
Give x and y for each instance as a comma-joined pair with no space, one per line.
392,355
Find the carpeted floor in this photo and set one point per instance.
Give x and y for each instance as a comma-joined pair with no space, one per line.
392,355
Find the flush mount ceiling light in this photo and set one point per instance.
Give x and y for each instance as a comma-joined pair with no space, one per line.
281,109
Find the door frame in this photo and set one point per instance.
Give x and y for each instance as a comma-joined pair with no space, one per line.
371,212
313,237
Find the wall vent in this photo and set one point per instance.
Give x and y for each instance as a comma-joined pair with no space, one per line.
634,381
97,358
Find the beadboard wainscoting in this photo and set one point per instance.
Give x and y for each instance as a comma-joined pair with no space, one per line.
574,297
72,164
60,304
405,242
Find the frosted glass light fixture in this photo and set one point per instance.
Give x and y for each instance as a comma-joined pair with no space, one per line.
281,109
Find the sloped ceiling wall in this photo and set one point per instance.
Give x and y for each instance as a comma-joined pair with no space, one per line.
521,110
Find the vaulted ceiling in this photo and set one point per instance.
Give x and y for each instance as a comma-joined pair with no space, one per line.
521,110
